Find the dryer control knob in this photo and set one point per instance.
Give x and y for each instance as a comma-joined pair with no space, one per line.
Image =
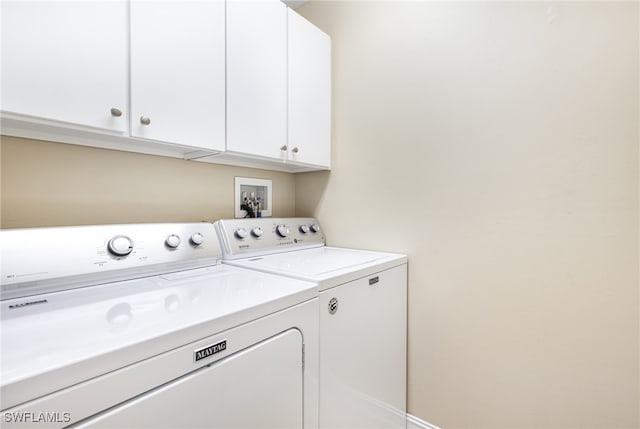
283,230
241,233
304,229
172,241
257,232
120,245
315,228
197,239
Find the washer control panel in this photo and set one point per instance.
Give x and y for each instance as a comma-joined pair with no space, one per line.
242,237
33,258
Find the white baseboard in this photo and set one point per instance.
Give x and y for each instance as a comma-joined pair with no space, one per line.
414,422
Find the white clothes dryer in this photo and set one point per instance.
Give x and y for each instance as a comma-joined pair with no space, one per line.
363,312
139,326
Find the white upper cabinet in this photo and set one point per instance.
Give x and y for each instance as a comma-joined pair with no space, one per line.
309,95
178,72
66,62
257,77
242,82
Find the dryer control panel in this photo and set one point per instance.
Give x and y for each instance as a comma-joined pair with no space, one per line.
240,238
38,260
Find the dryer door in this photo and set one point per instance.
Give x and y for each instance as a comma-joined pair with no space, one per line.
259,387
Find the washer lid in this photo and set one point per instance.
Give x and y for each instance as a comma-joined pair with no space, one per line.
327,266
54,340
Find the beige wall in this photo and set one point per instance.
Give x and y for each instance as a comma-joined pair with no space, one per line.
497,145
49,184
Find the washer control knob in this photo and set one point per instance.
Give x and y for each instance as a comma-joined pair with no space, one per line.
315,228
241,233
197,239
283,230
120,245
304,229
172,241
257,232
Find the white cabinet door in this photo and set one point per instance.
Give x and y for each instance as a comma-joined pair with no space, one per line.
257,77
309,106
178,72
65,61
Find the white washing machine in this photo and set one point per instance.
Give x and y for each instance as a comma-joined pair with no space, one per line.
363,312
140,326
